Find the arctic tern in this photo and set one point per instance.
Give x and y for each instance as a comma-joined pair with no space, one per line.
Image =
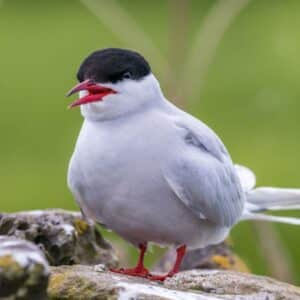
152,172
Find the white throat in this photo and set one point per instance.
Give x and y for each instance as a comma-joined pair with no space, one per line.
130,97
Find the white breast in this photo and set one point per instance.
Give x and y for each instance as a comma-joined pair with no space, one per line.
116,176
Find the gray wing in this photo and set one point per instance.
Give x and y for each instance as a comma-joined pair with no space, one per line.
202,175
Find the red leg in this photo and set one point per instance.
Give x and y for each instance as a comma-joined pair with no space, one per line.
139,270
180,254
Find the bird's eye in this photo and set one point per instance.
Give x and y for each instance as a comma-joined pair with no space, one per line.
127,75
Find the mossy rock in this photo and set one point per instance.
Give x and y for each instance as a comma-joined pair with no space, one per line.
24,270
65,237
94,283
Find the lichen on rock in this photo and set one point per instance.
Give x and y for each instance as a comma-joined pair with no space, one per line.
24,270
64,237
87,282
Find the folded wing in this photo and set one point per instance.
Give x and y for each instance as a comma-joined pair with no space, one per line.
203,177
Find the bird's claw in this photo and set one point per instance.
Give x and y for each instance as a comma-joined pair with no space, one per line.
159,277
139,272
142,272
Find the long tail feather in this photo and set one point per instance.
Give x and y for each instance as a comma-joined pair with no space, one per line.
267,198
263,217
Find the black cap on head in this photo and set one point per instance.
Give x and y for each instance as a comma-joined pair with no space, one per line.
113,65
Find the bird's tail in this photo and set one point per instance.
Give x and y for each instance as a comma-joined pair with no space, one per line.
267,199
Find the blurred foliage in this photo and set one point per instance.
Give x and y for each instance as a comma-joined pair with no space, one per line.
249,94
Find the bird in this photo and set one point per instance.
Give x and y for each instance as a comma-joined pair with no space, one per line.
152,172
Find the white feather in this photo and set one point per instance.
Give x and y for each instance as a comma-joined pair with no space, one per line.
263,217
267,198
247,177
274,198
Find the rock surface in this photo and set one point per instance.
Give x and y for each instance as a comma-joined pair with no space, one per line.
64,237
93,283
72,244
24,270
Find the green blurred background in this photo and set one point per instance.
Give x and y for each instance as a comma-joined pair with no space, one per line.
234,64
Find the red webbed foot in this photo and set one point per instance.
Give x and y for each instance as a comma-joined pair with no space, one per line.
141,271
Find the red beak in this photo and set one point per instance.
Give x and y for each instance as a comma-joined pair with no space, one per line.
95,91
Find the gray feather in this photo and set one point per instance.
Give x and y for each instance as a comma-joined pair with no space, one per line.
203,176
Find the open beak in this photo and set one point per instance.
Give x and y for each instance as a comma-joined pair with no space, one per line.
95,91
